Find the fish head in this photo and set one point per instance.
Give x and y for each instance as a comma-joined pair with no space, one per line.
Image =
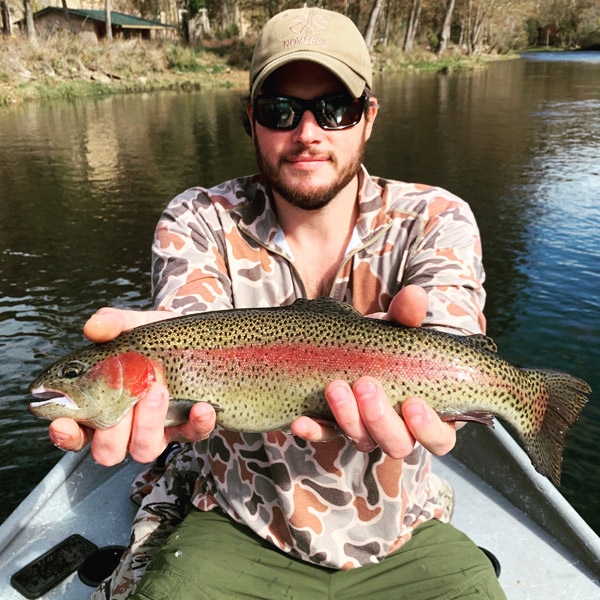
93,386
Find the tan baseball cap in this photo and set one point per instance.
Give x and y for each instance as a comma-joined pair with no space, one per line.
321,36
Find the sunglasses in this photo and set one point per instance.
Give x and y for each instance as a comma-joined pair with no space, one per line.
335,111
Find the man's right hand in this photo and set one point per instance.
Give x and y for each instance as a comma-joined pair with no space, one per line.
141,432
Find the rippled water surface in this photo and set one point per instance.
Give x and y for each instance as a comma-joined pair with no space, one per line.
82,185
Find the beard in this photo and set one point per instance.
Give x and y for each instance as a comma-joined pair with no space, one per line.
300,193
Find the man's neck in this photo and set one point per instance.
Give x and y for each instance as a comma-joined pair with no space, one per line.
318,238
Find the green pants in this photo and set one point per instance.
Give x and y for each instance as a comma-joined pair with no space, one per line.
211,557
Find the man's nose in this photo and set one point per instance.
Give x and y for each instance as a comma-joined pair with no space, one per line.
308,130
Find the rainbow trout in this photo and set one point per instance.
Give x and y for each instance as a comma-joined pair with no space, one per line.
262,368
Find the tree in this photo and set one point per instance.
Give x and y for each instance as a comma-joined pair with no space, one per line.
108,23
372,25
29,19
412,25
445,33
478,12
6,19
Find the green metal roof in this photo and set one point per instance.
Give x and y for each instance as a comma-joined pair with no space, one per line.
116,18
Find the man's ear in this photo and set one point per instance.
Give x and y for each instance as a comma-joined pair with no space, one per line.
372,108
370,115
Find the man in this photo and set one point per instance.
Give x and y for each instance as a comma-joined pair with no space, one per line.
350,511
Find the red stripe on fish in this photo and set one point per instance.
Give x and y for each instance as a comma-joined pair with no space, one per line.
355,361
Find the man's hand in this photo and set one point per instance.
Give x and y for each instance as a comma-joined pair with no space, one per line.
141,432
364,413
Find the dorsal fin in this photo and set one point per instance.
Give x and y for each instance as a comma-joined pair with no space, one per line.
326,305
483,342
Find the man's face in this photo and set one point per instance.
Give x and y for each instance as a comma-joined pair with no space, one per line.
308,166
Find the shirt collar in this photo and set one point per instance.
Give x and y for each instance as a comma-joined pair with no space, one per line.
257,216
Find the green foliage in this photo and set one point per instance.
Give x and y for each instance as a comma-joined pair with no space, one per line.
232,31
184,59
191,60
588,31
433,41
194,6
239,54
531,26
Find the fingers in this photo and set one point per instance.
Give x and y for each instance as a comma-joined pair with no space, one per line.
109,446
384,425
67,435
427,428
366,417
105,325
313,431
396,434
108,322
409,306
345,409
201,422
148,437
141,432
345,412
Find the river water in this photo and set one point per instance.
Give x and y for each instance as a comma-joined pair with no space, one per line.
82,185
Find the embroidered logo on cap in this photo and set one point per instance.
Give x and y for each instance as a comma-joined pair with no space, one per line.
308,23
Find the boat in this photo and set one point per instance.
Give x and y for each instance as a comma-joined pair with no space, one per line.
540,546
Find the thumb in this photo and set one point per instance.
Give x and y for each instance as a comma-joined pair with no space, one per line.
105,325
409,306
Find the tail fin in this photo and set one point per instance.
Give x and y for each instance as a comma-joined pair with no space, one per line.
566,396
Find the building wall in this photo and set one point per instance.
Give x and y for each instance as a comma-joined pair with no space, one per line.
55,21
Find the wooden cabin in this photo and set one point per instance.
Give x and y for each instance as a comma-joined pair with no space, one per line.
88,21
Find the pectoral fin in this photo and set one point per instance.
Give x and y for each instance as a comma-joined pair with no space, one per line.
179,410
484,418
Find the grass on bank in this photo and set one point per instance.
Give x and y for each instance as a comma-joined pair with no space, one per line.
64,65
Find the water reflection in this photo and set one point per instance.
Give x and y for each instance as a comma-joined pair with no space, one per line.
82,185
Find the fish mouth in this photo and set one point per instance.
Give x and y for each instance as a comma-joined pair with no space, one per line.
48,397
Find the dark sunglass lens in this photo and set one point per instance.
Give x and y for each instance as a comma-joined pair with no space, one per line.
338,112
277,113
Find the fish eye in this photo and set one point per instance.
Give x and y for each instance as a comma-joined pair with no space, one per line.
72,370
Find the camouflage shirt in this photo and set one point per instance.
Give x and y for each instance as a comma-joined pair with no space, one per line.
325,503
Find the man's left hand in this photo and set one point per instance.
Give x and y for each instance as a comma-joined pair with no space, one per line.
363,412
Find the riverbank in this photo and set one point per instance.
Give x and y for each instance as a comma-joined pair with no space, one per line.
67,66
